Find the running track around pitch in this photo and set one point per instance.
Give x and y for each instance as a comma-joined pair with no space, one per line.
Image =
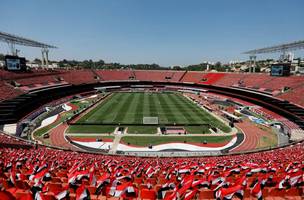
57,134
252,136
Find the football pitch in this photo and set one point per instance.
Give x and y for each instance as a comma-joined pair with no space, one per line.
131,107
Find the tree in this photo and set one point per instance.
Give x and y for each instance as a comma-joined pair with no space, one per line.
99,63
176,68
218,64
2,56
37,60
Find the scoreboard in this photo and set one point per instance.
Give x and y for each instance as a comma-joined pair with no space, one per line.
15,63
280,69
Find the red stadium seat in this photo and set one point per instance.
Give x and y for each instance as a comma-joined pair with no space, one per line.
148,194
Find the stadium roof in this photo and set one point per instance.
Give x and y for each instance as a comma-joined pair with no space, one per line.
278,48
10,38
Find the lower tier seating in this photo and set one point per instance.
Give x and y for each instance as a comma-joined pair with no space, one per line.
44,173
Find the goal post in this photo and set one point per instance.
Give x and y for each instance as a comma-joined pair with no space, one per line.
150,120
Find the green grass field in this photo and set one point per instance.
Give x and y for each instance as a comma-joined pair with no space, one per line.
90,129
130,108
155,140
142,129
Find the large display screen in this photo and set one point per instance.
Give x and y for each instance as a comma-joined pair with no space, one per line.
280,69
277,70
13,64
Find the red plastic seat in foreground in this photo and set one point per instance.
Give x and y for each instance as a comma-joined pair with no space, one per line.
148,194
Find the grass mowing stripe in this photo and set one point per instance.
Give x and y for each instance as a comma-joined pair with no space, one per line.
131,114
124,107
208,117
183,110
103,108
146,111
87,116
197,110
180,118
139,109
166,109
111,111
200,113
152,105
107,109
159,111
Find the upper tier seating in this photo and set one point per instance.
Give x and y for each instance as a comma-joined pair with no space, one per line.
193,77
113,75
255,80
177,76
202,78
158,76
45,78
37,80
281,82
212,78
46,173
31,80
295,95
78,76
260,81
230,79
7,75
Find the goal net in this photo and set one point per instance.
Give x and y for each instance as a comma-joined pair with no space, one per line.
150,120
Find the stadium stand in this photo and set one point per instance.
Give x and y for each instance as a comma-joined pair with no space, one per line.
45,79
295,95
230,79
281,86
158,76
212,78
177,76
34,73
46,173
192,77
36,80
254,80
26,172
6,139
78,76
113,75
281,82
7,91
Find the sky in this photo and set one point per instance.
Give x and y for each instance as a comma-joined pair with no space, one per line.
166,32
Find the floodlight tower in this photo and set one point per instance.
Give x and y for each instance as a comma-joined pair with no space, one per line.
285,49
13,40
45,57
42,58
12,48
252,63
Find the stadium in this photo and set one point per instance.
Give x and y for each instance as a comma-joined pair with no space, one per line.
123,133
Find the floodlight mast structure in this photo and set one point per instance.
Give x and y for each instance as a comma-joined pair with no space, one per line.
285,49
13,40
